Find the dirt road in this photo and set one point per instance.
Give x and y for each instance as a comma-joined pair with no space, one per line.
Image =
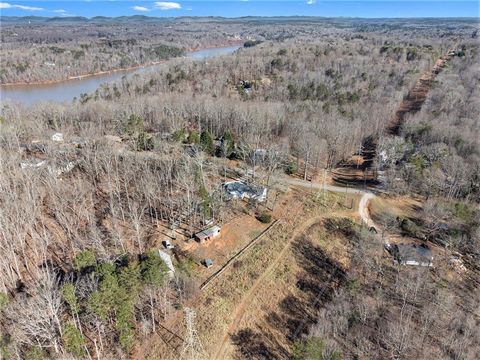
240,309
364,212
319,186
362,206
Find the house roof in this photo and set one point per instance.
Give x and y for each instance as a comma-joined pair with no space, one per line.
412,253
208,262
237,187
240,189
208,232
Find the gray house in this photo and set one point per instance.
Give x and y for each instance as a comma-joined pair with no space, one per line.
411,254
240,190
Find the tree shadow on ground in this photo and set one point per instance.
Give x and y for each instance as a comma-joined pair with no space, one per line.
315,284
252,344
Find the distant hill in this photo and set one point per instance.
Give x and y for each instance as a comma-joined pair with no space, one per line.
246,19
67,19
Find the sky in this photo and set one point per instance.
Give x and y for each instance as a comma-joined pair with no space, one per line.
237,8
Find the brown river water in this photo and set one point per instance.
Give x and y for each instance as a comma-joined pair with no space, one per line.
65,91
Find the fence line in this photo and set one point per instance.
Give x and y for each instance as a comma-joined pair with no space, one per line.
230,261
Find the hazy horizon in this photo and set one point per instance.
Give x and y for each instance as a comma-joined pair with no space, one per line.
234,9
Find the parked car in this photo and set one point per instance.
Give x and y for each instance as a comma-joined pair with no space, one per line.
207,222
167,244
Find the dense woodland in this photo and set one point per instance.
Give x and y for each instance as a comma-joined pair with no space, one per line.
35,49
77,275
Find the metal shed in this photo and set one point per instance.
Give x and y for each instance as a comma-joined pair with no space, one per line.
208,234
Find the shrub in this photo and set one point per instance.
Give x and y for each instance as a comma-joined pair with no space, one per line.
309,349
411,54
193,137
410,228
251,43
144,142
180,135
292,91
264,217
3,301
276,63
116,296
290,169
68,292
464,212
73,340
206,140
153,269
77,54
84,259
133,125
36,353
228,144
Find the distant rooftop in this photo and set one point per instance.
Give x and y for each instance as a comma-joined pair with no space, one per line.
412,254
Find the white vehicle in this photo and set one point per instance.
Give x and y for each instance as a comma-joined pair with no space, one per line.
167,244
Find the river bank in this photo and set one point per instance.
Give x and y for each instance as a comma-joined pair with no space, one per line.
83,76
65,90
126,69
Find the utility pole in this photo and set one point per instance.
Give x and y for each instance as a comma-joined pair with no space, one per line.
324,190
192,347
346,196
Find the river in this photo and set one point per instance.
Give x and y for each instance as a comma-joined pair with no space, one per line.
65,91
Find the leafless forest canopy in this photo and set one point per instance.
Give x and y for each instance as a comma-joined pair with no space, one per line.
78,216
37,49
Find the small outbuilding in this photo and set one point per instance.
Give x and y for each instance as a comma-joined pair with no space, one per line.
208,262
411,254
208,234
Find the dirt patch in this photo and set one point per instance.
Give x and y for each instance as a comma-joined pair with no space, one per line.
288,303
235,235
383,209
